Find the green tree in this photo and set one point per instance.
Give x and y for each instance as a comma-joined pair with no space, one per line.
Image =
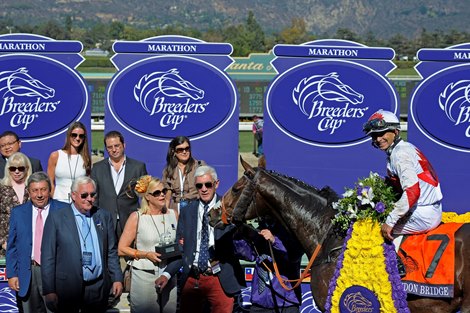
254,34
346,34
68,26
296,33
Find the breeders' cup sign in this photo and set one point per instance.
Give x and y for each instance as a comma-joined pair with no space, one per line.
324,93
170,86
439,120
41,93
165,96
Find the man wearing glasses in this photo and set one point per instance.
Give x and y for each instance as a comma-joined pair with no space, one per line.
112,176
211,272
419,208
9,144
79,257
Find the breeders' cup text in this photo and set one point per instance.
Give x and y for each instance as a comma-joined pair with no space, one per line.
25,113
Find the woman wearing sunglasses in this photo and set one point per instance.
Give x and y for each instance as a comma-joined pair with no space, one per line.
12,191
72,161
151,226
178,175
419,208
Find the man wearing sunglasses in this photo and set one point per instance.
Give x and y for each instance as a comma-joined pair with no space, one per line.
9,144
79,257
112,176
211,272
418,209
23,258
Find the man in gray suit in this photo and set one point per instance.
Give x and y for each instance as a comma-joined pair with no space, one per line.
112,176
9,144
79,261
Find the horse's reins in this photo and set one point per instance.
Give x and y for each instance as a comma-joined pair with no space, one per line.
305,272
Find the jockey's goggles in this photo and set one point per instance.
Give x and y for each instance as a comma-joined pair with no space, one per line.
377,125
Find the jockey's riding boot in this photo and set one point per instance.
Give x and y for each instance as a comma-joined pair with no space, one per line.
401,267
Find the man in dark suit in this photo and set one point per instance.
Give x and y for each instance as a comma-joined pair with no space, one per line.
112,176
79,257
24,243
9,144
211,272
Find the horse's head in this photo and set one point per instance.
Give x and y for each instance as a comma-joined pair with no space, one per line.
241,202
20,83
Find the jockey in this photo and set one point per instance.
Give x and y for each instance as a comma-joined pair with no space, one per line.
419,208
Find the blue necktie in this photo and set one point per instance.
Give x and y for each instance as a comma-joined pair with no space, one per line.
204,246
88,242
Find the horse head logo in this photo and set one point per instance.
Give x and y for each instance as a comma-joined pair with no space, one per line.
159,84
356,302
20,83
323,88
455,95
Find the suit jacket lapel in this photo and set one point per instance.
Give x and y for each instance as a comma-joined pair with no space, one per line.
69,221
99,229
29,222
127,176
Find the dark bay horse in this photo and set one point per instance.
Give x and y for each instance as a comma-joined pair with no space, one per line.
307,212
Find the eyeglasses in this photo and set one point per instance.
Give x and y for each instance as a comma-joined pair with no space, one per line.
378,124
208,185
181,150
75,135
157,193
86,194
19,168
8,144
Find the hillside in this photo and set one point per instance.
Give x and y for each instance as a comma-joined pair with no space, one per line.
323,17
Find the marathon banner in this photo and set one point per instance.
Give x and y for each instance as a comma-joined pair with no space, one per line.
316,106
170,86
41,92
439,120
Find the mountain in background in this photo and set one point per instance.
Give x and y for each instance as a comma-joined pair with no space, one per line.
323,17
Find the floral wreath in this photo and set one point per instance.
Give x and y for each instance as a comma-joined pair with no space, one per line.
370,198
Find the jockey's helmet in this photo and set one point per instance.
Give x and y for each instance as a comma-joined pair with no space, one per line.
381,121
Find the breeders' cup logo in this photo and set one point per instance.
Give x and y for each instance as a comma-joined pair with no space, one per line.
313,95
23,96
455,102
356,302
170,97
358,299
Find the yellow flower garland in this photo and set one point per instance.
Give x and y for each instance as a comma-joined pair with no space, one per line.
364,265
449,217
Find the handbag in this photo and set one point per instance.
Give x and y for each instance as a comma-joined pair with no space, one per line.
128,270
127,278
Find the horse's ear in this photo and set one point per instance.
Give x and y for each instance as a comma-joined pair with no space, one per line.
249,171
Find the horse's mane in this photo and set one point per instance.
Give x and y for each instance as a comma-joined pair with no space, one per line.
326,192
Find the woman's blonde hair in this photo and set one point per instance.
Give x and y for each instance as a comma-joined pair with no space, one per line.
144,205
16,159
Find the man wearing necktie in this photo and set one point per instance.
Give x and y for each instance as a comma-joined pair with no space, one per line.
79,254
23,258
211,272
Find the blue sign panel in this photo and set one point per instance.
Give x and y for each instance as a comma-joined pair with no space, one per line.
316,107
41,93
177,87
165,96
439,120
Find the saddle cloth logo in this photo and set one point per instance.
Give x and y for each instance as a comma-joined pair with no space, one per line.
429,262
328,100
24,97
454,100
169,96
